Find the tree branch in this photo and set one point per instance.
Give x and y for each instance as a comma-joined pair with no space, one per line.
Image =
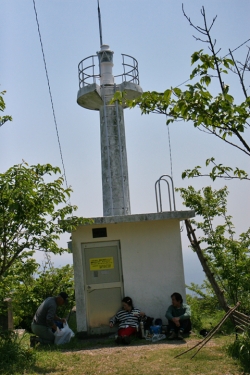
240,76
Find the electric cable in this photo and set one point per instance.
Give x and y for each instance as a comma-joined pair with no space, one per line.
50,94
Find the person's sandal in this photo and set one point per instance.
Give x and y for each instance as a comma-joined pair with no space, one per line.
126,340
172,336
118,340
179,336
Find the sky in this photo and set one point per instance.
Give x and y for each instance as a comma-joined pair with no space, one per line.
155,33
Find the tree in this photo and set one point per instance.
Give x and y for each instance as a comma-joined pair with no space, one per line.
33,213
48,281
228,258
5,118
217,115
220,116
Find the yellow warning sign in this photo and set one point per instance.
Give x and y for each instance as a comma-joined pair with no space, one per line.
101,263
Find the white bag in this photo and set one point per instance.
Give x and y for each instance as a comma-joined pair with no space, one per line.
158,337
62,336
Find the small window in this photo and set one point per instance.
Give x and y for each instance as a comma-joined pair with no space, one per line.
99,232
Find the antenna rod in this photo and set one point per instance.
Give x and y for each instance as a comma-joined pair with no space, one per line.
100,23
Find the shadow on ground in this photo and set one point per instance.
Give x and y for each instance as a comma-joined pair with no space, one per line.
89,343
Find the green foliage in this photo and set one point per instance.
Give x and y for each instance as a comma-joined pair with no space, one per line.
5,118
20,273
218,171
33,213
204,306
15,355
27,294
218,114
227,257
196,312
206,312
19,276
240,349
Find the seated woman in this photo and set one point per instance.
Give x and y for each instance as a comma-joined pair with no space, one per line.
128,319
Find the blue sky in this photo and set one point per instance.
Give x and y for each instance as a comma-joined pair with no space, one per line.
160,38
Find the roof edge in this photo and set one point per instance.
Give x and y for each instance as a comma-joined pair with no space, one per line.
167,215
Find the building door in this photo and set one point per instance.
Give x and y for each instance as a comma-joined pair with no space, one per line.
103,283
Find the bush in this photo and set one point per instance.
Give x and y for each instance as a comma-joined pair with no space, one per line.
49,282
196,312
14,354
206,314
240,349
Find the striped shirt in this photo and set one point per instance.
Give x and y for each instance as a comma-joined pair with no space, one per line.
126,319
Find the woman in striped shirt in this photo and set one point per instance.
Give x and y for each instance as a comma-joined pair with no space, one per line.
128,319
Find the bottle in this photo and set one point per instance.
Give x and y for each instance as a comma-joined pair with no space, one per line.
142,329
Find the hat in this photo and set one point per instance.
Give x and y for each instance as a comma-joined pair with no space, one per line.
64,296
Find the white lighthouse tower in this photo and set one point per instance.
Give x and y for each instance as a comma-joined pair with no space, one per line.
97,85
120,253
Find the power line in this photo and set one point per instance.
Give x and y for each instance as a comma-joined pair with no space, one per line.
51,100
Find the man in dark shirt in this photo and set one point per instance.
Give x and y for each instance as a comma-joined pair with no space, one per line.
44,319
178,315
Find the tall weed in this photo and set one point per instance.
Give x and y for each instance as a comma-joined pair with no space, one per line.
240,349
15,355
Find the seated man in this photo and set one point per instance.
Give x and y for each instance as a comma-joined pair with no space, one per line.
178,315
43,323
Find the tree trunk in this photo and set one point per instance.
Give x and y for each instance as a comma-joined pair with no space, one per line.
195,244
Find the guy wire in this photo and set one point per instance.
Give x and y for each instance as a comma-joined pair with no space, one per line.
51,100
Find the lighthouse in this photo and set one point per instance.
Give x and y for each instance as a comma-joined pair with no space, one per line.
97,86
120,253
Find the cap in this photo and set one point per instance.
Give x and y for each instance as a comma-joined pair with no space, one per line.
64,296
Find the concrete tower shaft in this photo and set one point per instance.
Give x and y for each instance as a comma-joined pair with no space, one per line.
115,181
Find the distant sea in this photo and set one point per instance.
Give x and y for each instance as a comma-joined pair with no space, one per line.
192,268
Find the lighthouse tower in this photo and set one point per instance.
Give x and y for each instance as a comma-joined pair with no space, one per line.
108,252
97,85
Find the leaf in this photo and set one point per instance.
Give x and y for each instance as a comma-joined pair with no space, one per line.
29,214
195,56
177,91
167,95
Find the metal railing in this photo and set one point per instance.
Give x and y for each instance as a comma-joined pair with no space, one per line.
86,71
158,192
131,75
88,68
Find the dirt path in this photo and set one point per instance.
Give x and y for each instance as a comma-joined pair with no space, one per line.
184,345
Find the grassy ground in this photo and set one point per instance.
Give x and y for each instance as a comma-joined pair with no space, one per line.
102,356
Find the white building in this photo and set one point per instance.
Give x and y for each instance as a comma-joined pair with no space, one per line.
132,255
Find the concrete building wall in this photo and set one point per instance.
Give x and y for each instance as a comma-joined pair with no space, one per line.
152,264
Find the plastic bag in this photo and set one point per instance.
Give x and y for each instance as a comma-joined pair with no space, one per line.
155,330
158,337
64,335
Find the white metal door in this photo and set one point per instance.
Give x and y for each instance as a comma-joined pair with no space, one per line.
103,283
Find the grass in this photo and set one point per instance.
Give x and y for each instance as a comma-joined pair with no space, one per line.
14,353
92,357
240,349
